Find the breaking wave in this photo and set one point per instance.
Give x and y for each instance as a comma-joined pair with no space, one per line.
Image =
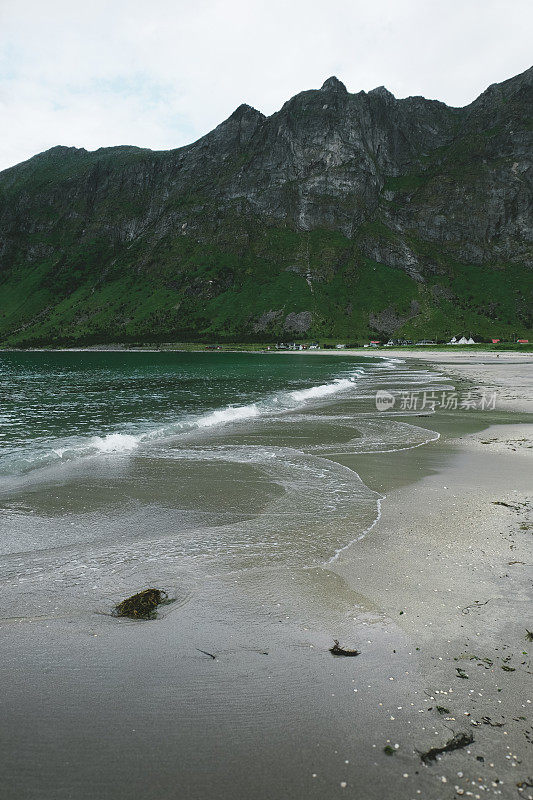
117,442
325,390
230,414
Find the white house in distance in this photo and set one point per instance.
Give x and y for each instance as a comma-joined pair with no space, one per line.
462,340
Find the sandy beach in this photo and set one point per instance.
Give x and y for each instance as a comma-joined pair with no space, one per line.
509,374
436,597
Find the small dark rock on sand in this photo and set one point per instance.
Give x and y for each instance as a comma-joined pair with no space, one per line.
142,605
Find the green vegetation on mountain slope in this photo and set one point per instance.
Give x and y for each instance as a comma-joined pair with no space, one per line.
341,215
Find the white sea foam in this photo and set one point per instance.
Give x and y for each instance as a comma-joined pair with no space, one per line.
115,443
360,536
324,390
321,504
230,414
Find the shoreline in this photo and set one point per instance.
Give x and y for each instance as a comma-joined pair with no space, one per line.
439,585
509,373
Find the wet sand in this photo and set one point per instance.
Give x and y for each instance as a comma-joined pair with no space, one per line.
510,374
459,588
96,707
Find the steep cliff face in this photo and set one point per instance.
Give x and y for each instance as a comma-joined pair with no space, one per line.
340,215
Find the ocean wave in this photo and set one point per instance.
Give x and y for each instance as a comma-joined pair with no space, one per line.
324,390
356,384
116,442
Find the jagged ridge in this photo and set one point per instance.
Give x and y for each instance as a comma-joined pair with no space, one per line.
340,215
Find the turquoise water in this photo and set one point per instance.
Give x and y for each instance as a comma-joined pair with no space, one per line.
67,404
121,469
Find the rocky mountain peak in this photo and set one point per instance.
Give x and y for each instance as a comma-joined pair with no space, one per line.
238,127
333,84
382,91
246,111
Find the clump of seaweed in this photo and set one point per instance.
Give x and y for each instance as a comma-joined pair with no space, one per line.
455,743
337,650
514,506
142,605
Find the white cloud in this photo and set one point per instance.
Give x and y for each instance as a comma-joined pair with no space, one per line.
161,74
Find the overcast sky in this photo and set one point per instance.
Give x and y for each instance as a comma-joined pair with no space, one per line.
161,73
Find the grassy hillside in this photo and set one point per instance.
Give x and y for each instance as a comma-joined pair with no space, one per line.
216,294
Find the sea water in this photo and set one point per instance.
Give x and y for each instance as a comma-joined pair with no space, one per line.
119,470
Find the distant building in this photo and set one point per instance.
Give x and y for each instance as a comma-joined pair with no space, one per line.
462,340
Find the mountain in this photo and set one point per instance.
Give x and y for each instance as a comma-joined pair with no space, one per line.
341,215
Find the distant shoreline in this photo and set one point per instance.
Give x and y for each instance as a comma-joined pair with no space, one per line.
245,347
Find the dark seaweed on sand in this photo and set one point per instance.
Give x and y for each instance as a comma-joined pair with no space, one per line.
142,605
458,741
337,650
